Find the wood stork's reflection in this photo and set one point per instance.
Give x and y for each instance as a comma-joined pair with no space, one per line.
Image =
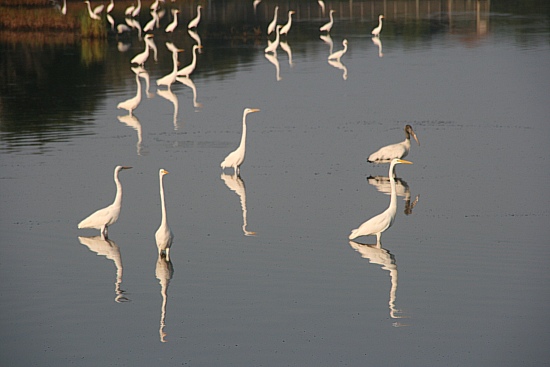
383,185
236,184
108,248
164,271
380,256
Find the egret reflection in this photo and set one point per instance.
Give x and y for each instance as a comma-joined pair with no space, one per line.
145,76
170,78
236,184
288,50
152,46
108,248
328,40
196,37
382,184
378,43
273,59
170,96
164,271
273,23
189,83
380,256
339,65
186,71
328,26
194,23
272,46
133,122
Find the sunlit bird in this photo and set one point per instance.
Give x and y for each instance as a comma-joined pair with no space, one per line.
378,43
97,10
327,27
398,150
188,70
195,21
273,24
137,9
105,217
286,27
110,6
155,5
172,26
236,158
338,54
272,47
378,224
129,10
376,31
132,103
150,25
142,57
170,78
164,235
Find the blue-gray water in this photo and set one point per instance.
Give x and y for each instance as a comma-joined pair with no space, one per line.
461,279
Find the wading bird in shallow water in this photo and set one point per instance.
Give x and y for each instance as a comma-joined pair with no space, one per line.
95,13
376,31
164,235
195,21
272,47
172,26
399,150
105,217
186,71
273,24
236,158
327,27
378,224
338,54
170,78
288,24
142,57
131,104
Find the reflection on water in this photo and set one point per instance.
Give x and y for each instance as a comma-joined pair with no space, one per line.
108,248
235,183
382,184
164,272
133,122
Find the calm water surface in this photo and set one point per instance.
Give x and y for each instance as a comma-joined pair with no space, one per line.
262,272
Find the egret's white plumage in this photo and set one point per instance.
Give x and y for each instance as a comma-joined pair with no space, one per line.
338,54
376,31
131,104
378,224
94,14
170,78
286,27
172,26
163,236
272,47
136,11
195,21
186,71
327,27
110,6
129,10
105,217
142,57
64,8
236,158
399,150
273,24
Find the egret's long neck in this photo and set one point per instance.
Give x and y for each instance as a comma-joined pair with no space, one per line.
277,31
162,203
243,137
175,61
118,197
138,94
194,62
331,20
89,7
393,195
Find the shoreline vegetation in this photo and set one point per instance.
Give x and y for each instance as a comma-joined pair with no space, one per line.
37,19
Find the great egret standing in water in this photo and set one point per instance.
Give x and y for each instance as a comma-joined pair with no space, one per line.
170,78
272,47
236,158
273,24
327,27
131,104
338,54
142,57
164,235
399,150
174,24
376,31
378,224
95,13
105,217
186,71
288,24
195,21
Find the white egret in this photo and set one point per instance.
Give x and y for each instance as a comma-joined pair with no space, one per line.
378,224
327,27
322,5
195,21
399,150
186,71
196,37
273,24
142,57
110,6
236,158
105,217
95,13
136,11
121,28
129,10
172,26
111,21
132,103
152,46
150,25
338,54
286,27
170,78
172,98
376,31
273,46
155,5
255,4
164,235
64,8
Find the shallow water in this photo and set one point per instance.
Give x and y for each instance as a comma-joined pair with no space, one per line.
460,279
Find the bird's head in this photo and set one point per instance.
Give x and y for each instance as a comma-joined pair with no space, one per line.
163,172
251,110
409,130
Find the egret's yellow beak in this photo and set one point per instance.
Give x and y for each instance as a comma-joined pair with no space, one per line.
402,161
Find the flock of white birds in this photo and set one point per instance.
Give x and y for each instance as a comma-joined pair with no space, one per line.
103,218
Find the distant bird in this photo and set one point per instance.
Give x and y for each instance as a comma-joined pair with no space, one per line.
172,26
338,54
376,31
142,57
105,217
399,150
121,28
170,78
273,46
378,224
322,5
129,10
273,24
64,8
236,158
131,104
186,71
255,4
286,27
150,25
164,235
136,11
327,27
95,13
110,6
155,5
195,22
